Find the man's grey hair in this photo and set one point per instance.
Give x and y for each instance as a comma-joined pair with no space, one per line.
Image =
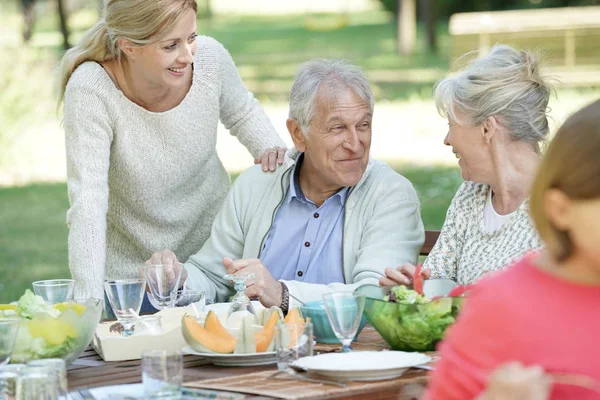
336,74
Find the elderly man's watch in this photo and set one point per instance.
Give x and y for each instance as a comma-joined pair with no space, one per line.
285,298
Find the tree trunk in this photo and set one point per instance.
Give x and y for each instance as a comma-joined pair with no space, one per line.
407,26
429,18
64,29
28,8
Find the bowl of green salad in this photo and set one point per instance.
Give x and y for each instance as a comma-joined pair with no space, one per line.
62,330
407,319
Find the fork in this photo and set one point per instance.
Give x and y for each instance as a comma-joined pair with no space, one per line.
82,393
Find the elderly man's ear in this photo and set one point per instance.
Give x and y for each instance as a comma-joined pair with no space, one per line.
297,135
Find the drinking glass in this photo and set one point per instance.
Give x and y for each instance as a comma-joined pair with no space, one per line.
240,304
193,298
344,310
54,290
292,342
125,297
8,333
162,373
37,383
163,280
59,367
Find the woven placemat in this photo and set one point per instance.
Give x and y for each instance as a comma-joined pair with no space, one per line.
287,387
369,340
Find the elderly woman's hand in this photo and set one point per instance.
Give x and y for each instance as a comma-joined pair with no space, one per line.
514,381
402,275
271,158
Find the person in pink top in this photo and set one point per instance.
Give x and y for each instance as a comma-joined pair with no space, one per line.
544,312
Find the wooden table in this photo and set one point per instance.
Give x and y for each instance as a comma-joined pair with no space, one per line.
89,370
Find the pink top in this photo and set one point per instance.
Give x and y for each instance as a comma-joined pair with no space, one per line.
522,314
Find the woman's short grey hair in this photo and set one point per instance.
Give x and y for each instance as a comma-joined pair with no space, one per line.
337,74
505,83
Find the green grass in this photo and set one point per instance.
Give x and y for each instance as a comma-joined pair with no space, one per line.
33,233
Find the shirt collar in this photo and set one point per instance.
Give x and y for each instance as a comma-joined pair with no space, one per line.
296,192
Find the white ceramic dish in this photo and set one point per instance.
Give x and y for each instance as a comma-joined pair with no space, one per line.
136,391
236,360
361,365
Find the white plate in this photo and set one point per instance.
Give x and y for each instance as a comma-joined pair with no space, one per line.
118,392
236,360
362,365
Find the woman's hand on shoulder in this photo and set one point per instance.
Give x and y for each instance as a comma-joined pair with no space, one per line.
515,381
402,275
271,157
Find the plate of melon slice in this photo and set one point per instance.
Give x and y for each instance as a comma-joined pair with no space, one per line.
236,340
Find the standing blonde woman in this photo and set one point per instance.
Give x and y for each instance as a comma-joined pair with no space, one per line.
496,109
143,96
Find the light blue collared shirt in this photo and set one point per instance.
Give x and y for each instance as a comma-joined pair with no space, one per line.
305,241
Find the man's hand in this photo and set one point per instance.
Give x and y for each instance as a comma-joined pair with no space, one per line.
263,286
172,267
513,381
402,275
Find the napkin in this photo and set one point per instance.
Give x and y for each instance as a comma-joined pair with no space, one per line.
112,346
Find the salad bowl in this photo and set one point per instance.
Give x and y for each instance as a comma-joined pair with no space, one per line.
62,330
412,322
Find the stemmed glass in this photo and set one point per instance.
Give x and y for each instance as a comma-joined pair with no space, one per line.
8,333
163,280
125,297
54,290
344,310
240,303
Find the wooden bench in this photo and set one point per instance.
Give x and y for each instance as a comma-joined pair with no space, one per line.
568,38
430,238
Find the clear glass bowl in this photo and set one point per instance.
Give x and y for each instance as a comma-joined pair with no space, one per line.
65,334
410,327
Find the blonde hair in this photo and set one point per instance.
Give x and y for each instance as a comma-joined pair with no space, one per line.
505,83
572,165
138,21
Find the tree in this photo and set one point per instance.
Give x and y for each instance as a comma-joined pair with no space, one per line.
64,29
429,18
28,9
407,26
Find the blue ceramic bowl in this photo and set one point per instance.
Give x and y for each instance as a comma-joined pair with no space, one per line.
315,310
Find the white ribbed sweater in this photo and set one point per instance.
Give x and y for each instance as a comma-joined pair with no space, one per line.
465,250
142,181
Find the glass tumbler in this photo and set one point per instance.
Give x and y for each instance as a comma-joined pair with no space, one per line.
162,374
292,342
59,367
37,383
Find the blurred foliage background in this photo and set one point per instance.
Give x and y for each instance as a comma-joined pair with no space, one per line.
267,49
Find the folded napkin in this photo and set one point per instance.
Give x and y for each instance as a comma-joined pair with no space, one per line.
112,346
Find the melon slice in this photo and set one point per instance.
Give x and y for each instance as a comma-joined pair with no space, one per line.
203,341
246,343
264,338
212,324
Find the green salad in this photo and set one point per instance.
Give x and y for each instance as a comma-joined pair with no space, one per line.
46,330
411,321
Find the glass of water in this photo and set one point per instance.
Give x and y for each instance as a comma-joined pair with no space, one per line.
162,374
54,290
8,333
125,297
8,384
292,342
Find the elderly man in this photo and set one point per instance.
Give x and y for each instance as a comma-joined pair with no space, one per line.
328,219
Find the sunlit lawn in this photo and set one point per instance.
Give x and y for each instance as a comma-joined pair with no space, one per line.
33,233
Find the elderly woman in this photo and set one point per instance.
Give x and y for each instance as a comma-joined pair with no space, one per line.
496,109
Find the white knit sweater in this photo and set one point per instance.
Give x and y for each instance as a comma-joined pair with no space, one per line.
465,250
142,181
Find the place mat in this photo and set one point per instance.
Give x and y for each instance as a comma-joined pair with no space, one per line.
287,387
